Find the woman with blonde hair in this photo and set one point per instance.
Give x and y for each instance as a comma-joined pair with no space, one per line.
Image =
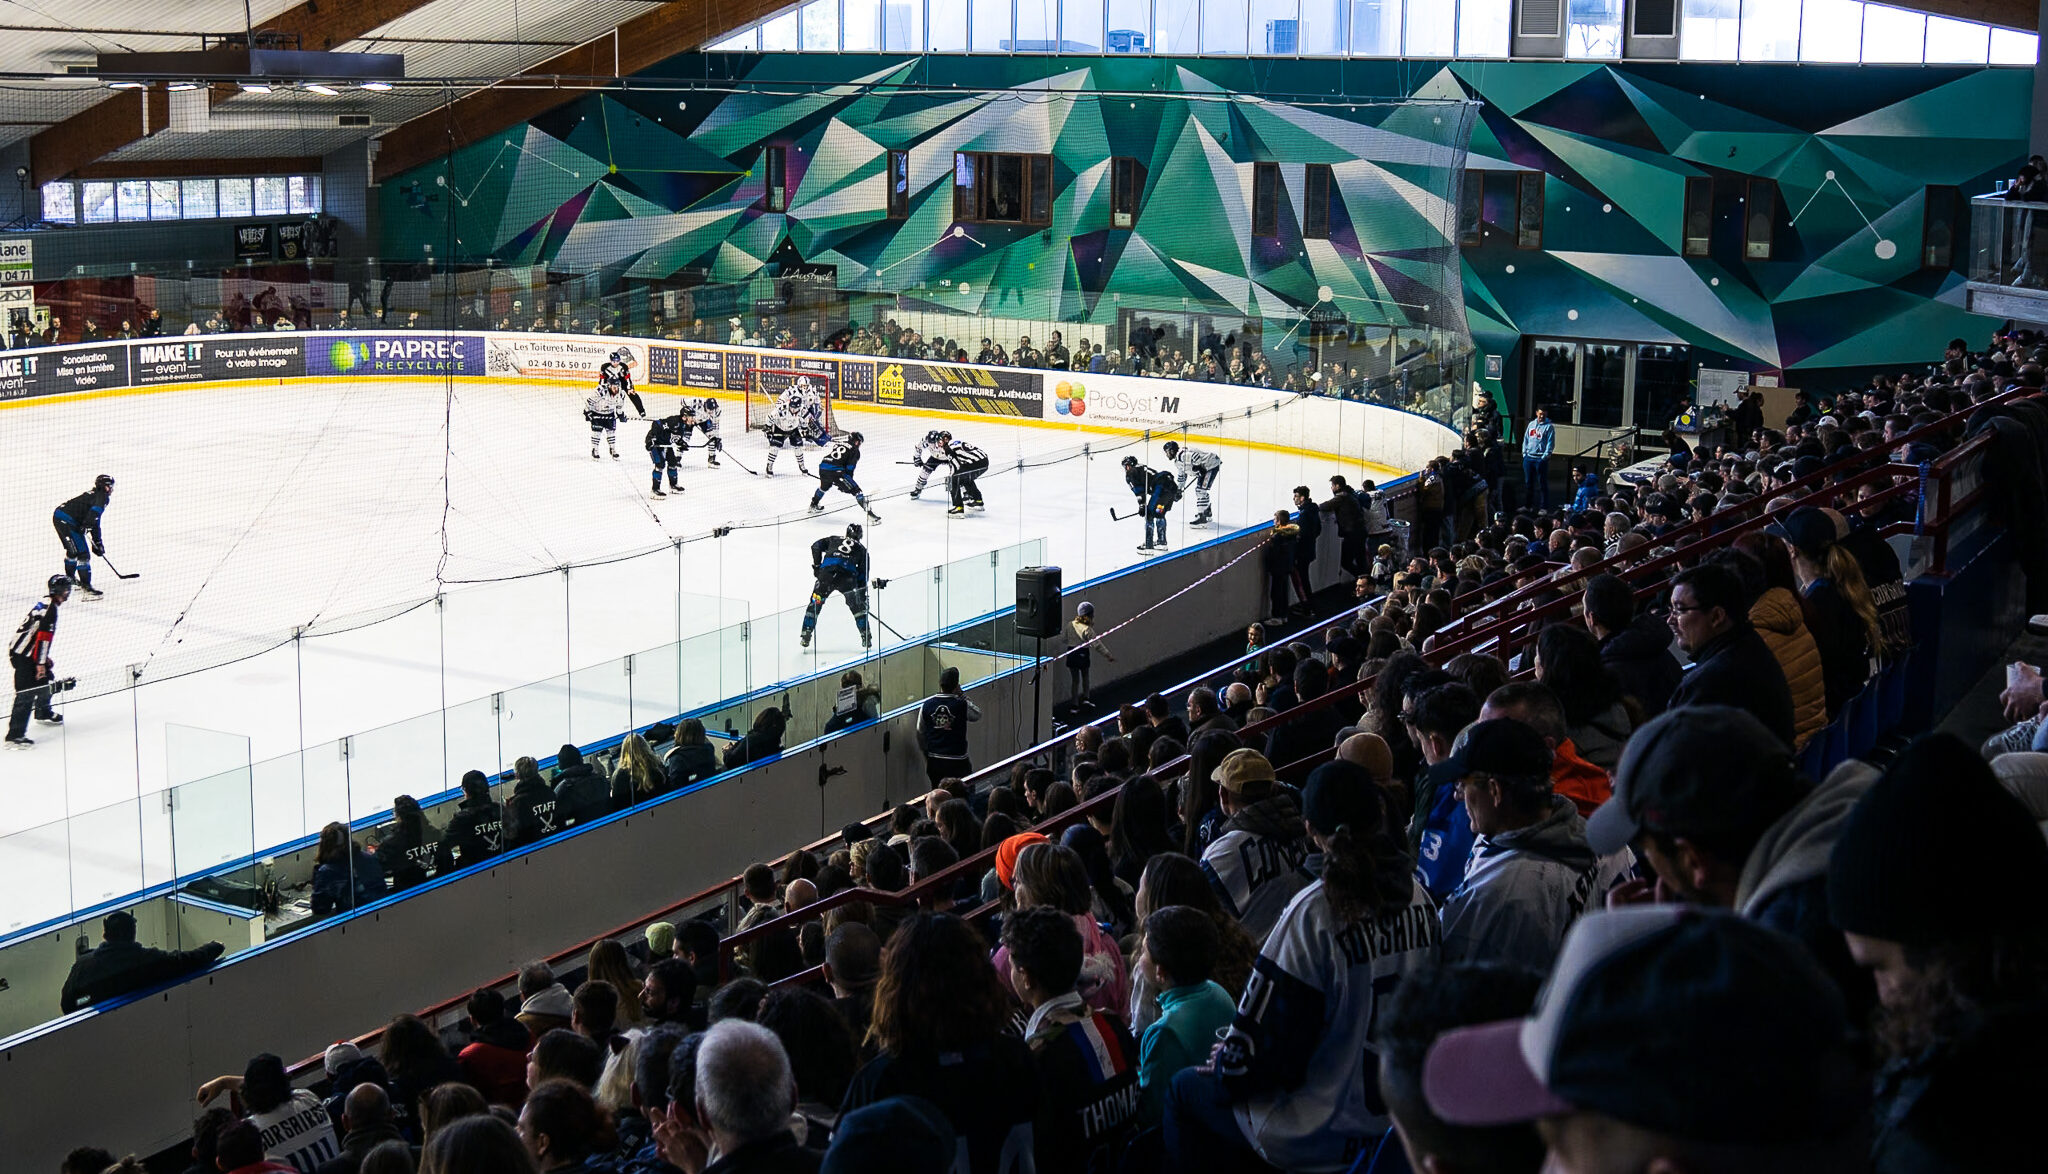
639,777
1839,609
608,962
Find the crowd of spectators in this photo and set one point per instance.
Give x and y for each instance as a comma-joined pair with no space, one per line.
1357,906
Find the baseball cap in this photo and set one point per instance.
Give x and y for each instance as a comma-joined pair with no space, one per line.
1688,1022
1342,794
1697,770
340,1056
1240,767
1806,528
1501,746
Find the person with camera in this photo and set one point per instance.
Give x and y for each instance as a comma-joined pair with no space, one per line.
35,679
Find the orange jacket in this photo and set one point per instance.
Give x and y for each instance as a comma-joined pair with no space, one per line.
1578,780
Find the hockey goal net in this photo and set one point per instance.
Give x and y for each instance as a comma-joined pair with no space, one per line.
765,386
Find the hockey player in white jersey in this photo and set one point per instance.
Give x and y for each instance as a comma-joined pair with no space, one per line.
1198,466
700,415
604,409
928,454
797,416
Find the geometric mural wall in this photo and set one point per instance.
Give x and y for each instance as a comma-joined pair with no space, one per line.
646,183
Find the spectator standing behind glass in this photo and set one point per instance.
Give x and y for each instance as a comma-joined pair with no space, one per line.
1294,1083
941,1020
121,965
942,729
1082,648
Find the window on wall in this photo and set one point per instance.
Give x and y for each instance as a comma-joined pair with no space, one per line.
1957,42
273,198
1432,30
163,199
237,197
1038,26
1276,27
1759,219
2012,47
778,34
1529,210
1699,215
1315,212
197,197
1322,28
1483,28
903,26
1940,227
1770,30
96,202
899,185
776,163
861,26
1376,28
1223,23
1893,35
131,197
1593,30
1265,199
819,22
1832,31
1081,26
60,202
1130,27
1472,209
948,28
134,200
1002,189
1710,30
1126,187
991,29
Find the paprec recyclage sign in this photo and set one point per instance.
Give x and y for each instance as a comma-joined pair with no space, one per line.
395,354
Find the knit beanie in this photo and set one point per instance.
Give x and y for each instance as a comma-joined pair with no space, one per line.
1937,850
1007,852
661,939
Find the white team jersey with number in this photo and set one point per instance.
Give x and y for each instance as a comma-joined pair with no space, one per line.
1190,461
605,404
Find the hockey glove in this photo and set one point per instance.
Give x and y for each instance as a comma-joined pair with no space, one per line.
99,548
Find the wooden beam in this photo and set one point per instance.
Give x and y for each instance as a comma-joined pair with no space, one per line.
2012,14
645,41
107,126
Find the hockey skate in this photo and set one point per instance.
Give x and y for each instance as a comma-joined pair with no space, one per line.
615,454
1201,519
54,719
815,508
92,592
979,504
594,455
914,493
712,460
658,492
874,519
866,641
957,512
21,742
803,640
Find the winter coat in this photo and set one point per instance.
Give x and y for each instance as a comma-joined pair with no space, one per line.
532,811
580,795
1294,740
1958,1105
1784,879
1522,890
1600,739
1254,863
1736,668
690,764
1839,634
1779,621
1582,782
1347,513
116,968
1640,655
340,887
495,1062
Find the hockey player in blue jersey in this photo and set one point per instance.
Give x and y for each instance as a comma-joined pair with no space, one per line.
665,449
78,528
839,564
835,471
1156,492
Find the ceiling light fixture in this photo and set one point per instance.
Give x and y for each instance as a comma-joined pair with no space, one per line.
256,87
125,85
377,87
181,87
321,88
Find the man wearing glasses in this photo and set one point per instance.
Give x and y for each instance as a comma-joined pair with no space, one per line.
1731,664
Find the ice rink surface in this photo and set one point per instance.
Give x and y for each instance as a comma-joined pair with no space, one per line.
336,508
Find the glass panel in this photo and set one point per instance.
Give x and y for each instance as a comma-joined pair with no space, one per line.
1081,26
778,34
740,41
272,198
534,720
1130,23
400,757
1957,42
1833,31
60,202
1663,374
236,197
1179,27
103,873
820,23
902,26
133,198
2011,47
1594,30
305,190
948,22
1223,26
99,202
163,199
1322,27
1708,31
212,822
1553,375
600,703
1376,28
863,18
1432,30
1770,30
1483,28
1037,26
198,199
1601,393
991,26
1893,35
1276,27
33,864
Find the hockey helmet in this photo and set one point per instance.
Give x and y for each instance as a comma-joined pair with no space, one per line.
1130,462
103,481
854,531
60,584
854,438
1171,448
945,435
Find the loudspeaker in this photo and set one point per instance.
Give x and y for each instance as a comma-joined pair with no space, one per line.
1038,601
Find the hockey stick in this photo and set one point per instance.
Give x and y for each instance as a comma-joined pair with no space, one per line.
117,570
1117,517
735,460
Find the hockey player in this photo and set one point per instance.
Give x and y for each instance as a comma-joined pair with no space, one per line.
796,417
839,564
835,471
78,528
968,463
29,654
928,454
701,415
665,449
1156,492
604,409
1198,466
617,373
